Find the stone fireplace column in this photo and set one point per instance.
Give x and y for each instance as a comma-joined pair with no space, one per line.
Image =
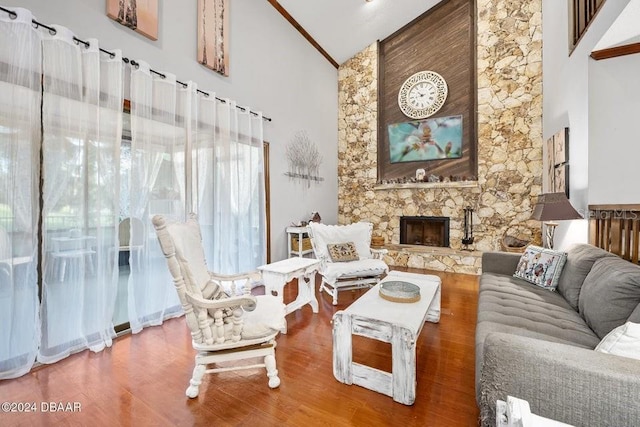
509,80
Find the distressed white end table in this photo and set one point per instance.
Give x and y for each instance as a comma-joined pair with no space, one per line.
397,323
276,275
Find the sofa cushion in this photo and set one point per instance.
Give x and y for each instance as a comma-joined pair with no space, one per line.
580,259
540,266
610,294
513,305
510,305
359,233
361,268
635,316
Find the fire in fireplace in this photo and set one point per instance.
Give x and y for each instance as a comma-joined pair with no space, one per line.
424,230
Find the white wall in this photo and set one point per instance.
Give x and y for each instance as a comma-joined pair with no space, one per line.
614,130
566,99
272,69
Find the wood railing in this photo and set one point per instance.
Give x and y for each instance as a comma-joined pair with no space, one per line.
581,14
616,228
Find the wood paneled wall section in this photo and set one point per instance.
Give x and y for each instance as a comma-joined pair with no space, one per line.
441,40
616,228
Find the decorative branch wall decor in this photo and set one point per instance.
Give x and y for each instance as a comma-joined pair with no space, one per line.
139,15
303,158
213,33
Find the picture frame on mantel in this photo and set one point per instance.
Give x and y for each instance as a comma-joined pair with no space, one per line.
213,35
139,15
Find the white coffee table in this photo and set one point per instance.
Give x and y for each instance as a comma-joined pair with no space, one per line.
276,276
397,323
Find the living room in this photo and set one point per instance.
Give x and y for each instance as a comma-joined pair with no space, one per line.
274,69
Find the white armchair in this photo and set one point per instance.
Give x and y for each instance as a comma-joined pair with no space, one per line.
364,270
224,326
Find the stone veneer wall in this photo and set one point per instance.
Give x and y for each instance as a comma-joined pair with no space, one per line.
509,76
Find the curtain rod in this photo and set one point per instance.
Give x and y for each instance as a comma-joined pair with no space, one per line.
53,31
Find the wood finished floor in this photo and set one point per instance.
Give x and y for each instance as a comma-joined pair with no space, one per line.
141,379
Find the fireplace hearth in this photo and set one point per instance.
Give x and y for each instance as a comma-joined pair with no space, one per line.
424,230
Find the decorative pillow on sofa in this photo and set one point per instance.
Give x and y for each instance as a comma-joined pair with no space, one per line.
622,341
342,252
540,266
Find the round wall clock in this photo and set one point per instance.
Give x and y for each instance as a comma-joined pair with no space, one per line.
422,94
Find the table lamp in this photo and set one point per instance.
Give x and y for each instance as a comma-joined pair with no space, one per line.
553,207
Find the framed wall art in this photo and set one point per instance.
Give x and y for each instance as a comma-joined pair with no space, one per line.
561,147
548,180
213,34
556,157
139,15
561,179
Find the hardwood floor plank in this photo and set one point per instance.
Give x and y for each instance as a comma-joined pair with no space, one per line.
141,380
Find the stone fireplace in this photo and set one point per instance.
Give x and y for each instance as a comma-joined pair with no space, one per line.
424,230
509,147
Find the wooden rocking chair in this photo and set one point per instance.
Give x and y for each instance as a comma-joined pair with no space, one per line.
224,326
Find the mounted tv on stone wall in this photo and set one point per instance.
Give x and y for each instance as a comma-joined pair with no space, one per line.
429,139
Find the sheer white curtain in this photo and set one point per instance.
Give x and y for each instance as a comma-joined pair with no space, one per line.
188,152
226,169
82,127
204,137
229,147
158,141
20,95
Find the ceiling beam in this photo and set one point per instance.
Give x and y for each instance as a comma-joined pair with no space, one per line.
302,31
614,52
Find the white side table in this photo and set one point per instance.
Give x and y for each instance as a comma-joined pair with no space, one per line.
276,275
299,232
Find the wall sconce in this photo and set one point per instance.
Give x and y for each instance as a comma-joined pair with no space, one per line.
553,207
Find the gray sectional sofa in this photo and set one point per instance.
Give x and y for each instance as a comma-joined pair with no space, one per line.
537,344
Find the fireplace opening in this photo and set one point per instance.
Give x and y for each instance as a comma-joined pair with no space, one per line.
424,230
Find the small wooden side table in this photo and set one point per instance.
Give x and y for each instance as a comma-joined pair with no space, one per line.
299,232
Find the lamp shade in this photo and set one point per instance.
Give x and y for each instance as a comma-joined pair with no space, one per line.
554,207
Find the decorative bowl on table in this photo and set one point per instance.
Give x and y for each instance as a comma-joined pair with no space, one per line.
396,291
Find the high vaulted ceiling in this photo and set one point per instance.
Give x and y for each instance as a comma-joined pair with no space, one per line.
625,29
345,27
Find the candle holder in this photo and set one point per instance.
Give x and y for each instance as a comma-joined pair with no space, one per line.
468,228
